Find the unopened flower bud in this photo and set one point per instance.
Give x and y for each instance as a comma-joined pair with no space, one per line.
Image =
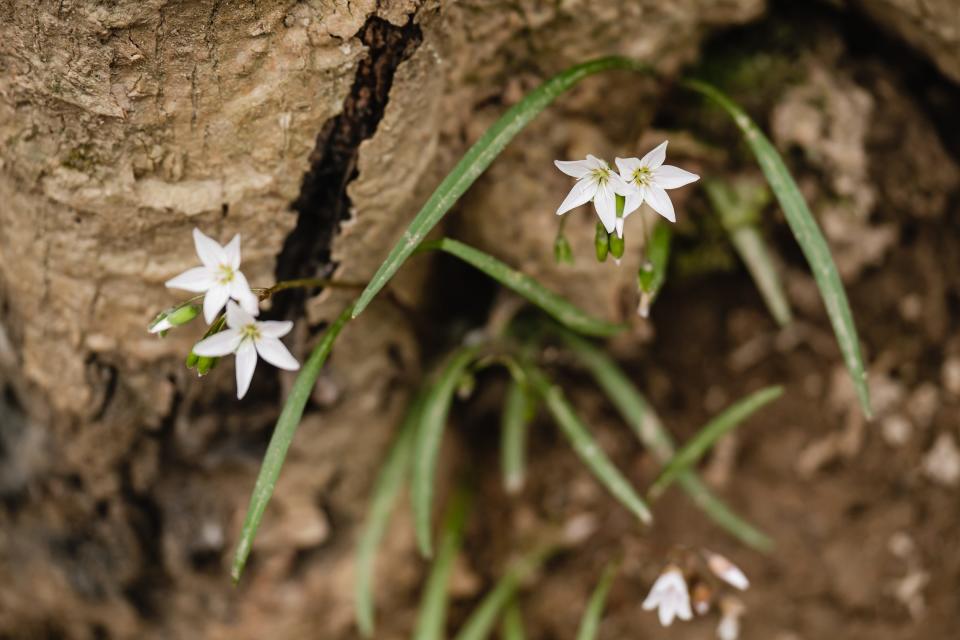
192,360
601,242
700,597
205,365
616,246
562,251
173,317
726,570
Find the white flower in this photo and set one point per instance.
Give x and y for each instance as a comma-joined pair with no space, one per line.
649,178
729,628
219,277
669,596
726,570
597,182
249,338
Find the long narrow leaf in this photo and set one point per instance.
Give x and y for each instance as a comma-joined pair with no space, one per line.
283,432
561,309
432,616
641,418
722,424
653,272
436,407
585,446
590,622
512,627
807,232
390,481
477,159
517,412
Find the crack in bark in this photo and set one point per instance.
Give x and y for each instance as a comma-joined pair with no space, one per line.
323,202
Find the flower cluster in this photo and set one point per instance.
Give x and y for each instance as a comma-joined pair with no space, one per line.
222,284
617,195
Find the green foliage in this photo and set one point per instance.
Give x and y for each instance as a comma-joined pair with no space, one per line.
653,271
590,622
518,410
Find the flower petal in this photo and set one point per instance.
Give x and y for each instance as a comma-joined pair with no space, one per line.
597,163
620,186
666,612
275,328
574,168
606,205
655,157
219,344
620,227
660,202
240,291
670,177
682,606
211,253
198,280
246,364
627,166
163,325
634,200
237,317
581,193
213,302
232,252
274,352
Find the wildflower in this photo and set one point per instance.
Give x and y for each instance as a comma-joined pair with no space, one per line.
597,182
219,277
726,570
669,596
649,179
248,338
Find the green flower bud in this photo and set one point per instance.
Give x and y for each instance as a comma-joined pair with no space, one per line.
192,360
173,317
616,246
562,251
601,242
205,364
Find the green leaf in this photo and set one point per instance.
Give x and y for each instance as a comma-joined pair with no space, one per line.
477,159
392,477
585,446
590,623
739,205
436,407
432,616
641,418
732,417
518,409
561,309
653,272
283,432
807,232
512,628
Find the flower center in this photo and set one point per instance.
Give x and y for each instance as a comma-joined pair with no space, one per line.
250,332
225,274
602,175
642,176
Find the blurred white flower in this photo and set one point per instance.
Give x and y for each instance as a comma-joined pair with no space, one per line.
731,609
669,596
649,178
726,570
248,338
597,182
219,277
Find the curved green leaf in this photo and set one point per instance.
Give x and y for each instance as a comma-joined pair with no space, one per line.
807,232
517,412
590,622
436,407
512,627
477,159
561,309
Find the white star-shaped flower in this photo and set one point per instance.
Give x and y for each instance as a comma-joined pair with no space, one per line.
670,597
248,338
649,179
219,277
595,181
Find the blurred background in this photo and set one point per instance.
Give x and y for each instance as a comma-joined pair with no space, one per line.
316,129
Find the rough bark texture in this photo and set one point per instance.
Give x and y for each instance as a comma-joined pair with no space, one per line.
316,129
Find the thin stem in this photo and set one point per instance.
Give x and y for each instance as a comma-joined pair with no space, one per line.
306,283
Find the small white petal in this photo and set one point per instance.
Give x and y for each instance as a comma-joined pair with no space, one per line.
729,628
656,156
198,280
606,206
666,613
237,318
232,251
219,344
210,252
670,177
213,302
620,227
627,166
275,328
163,325
274,352
660,202
574,168
582,192
620,186
634,200
596,163
682,606
246,364
727,571
240,291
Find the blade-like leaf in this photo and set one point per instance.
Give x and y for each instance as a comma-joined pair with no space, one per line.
653,272
731,418
585,446
432,616
512,627
641,418
590,622
436,407
561,309
477,159
392,477
807,232
518,410
283,432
